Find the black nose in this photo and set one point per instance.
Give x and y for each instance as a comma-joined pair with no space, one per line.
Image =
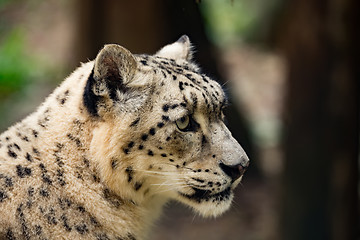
233,171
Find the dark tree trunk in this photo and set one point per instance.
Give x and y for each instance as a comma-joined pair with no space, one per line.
320,42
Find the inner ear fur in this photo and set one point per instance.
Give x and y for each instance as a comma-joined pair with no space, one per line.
114,68
115,65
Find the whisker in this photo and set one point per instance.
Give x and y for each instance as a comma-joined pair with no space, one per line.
225,83
169,184
167,190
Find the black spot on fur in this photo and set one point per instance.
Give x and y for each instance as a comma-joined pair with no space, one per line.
66,225
90,99
8,182
137,186
166,107
150,153
112,198
74,139
203,140
17,147
44,192
86,162
204,79
51,217
31,191
93,221
21,218
144,137
194,100
131,144
135,122
114,163
82,228
38,230
163,155
62,97
165,118
28,157
181,86
102,236
152,131
160,124
198,180
44,175
35,133
64,203
164,74
130,173
144,62
96,178
36,151
60,177
141,147
3,196
81,209
130,236
174,77
23,171
12,154
9,235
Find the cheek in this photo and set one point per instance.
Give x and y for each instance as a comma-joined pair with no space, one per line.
188,144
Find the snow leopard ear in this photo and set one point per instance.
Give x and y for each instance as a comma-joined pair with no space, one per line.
181,49
115,64
114,68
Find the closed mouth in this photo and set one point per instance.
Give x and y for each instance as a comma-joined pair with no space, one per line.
200,195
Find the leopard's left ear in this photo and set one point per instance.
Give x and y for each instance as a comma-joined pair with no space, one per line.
181,49
115,65
111,78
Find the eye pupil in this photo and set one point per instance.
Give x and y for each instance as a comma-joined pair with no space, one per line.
183,123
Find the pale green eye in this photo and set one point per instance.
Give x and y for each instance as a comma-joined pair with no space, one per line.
183,123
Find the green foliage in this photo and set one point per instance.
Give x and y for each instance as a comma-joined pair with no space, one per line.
15,65
3,3
229,21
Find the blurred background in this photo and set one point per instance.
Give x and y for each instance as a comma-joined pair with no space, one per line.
290,67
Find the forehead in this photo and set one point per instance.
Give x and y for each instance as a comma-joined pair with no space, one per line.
184,83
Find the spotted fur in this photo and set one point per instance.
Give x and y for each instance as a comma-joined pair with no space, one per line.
113,143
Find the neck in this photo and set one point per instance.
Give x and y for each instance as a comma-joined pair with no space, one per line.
62,132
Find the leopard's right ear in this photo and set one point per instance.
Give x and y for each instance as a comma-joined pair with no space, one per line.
181,49
114,68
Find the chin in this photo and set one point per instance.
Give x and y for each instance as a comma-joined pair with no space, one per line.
207,204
